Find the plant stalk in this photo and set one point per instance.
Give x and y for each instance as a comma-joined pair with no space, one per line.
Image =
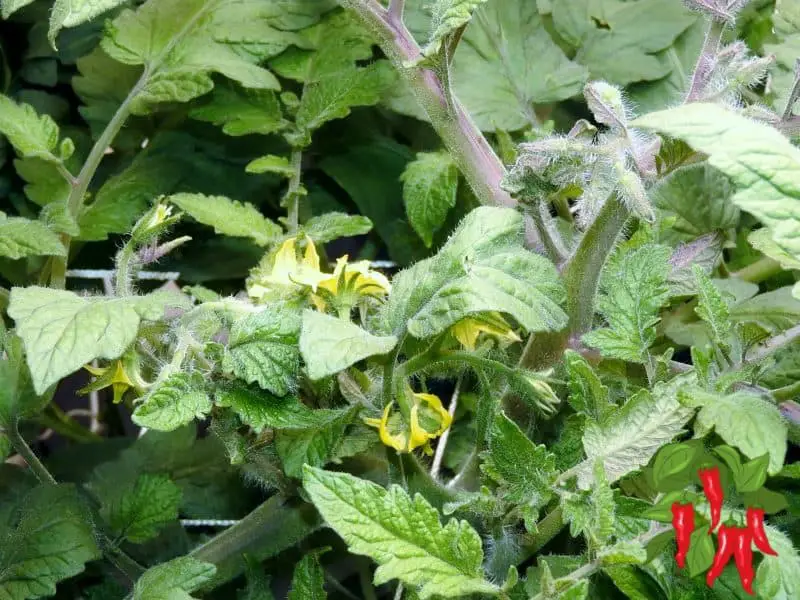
22,448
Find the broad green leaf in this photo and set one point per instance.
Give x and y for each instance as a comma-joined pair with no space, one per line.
138,511
632,435
57,217
785,46
745,421
482,267
17,397
263,348
623,553
620,42
329,344
228,217
20,237
44,184
449,16
774,311
308,581
260,409
51,542
587,394
63,331
762,240
175,401
591,513
704,252
403,535
258,582
712,308
182,42
430,184
315,446
334,225
633,290
173,580
32,135
492,66
241,111
524,470
70,13
9,7
778,577
698,198
762,164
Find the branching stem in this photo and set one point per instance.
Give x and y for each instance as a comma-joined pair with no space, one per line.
773,344
707,59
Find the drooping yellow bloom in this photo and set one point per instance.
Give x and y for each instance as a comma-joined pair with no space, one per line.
467,330
287,271
114,376
428,419
351,280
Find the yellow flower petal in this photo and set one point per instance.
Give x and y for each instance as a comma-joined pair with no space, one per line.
467,330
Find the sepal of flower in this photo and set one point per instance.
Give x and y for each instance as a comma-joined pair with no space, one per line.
349,282
154,223
427,419
115,376
290,272
546,399
468,330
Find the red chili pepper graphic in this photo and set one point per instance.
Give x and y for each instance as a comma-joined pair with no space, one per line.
683,523
743,553
755,523
724,552
712,487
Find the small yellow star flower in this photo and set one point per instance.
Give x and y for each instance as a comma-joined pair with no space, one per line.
114,376
428,419
467,330
351,280
287,271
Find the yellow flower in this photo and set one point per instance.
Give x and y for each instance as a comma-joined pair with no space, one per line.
351,280
114,376
466,331
288,271
428,420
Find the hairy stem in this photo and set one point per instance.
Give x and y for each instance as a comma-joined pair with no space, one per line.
80,184
794,94
124,272
553,244
22,448
705,63
293,193
396,8
471,151
773,344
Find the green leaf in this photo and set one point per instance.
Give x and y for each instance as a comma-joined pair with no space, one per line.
763,165
9,7
430,183
762,240
20,237
587,394
52,541
329,345
633,290
271,164
524,470
241,111
32,135
70,13
263,348
44,184
258,582
317,445
697,200
592,513
449,16
745,421
632,435
482,267
778,577
260,409
138,511
402,534
673,462
712,308
62,331
308,581
181,42
701,552
774,311
504,39
623,553
228,217
334,225
173,580
17,397
175,401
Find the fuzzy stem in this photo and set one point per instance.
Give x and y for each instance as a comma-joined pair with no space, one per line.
124,273
549,235
705,63
22,448
773,344
470,149
794,94
396,8
293,193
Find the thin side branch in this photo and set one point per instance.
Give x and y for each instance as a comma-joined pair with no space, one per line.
442,445
773,344
396,8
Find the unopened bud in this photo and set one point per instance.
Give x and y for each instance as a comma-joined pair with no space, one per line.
606,103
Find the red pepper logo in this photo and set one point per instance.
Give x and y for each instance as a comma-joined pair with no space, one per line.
679,472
